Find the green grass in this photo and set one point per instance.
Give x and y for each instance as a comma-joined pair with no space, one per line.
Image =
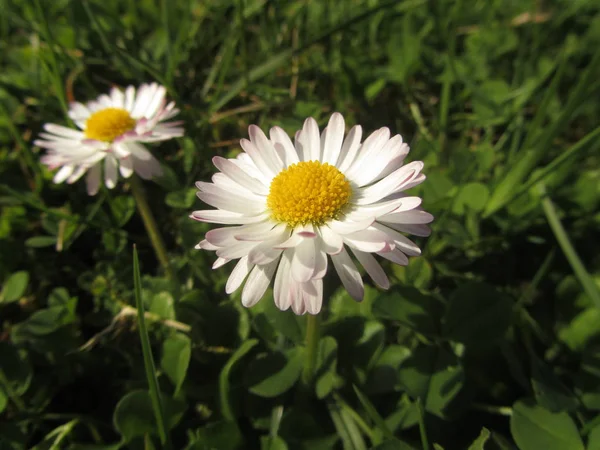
489,340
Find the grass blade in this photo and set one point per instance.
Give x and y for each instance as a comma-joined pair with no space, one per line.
163,432
532,156
373,414
279,59
588,284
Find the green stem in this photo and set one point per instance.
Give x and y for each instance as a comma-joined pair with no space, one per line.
422,429
589,286
151,227
148,358
312,343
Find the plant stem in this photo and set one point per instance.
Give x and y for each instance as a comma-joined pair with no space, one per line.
312,342
588,284
422,429
153,389
151,227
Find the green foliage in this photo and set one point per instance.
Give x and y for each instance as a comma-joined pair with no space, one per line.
488,340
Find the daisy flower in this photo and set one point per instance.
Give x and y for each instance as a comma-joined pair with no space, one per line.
295,205
112,129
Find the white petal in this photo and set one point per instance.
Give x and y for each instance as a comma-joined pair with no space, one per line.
236,250
233,204
361,212
298,305
257,283
110,172
129,98
220,262
320,264
349,148
396,256
205,245
332,242
417,230
332,144
303,261
64,173
238,275
311,141
93,179
390,184
259,159
402,242
373,268
283,146
117,98
259,232
347,226
388,159
126,167
368,152
267,150
234,172
226,217
370,240
413,217
77,174
64,132
282,292
349,274
313,296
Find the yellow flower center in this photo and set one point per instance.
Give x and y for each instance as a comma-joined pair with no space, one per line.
108,124
308,192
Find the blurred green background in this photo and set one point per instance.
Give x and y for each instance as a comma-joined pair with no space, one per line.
490,340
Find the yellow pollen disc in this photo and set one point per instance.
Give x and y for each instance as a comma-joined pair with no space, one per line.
108,124
308,192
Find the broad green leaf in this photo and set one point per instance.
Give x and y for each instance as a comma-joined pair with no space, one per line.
182,199
535,428
479,443
434,375
216,435
472,196
44,321
272,443
14,287
41,241
582,329
276,373
162,304
412,308
477,315
224,385
594,439
176,354
134,416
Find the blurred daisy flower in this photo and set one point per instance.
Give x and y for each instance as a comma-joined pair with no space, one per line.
112,128
295,204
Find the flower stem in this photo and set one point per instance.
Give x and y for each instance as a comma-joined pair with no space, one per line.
312,343
151,227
